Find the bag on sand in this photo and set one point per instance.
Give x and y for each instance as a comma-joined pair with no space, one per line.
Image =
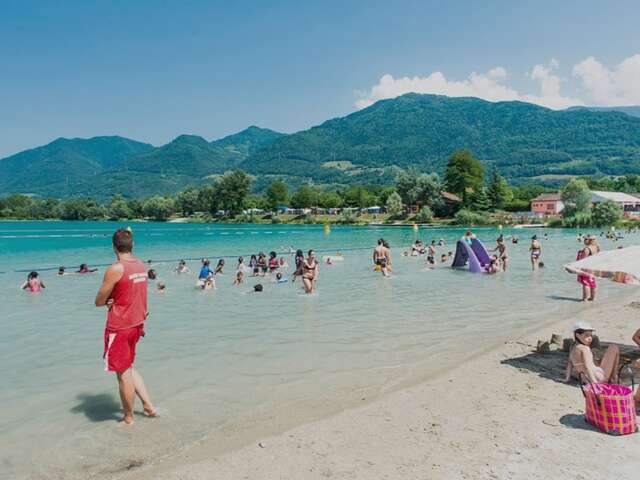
610,407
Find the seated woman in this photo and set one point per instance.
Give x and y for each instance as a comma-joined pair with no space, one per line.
581,358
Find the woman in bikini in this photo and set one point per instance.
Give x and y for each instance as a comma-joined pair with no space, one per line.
310,272
588,282
536,251
503,256
581,358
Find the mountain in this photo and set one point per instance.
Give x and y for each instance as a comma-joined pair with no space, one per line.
248,141
104,166
63,166
634,111
523,140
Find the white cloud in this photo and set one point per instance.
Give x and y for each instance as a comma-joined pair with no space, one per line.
489,86
603,86
550,95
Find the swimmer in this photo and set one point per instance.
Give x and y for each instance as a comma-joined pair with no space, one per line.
61,271
219,267
160,287
299,259
280,278
441,242
310,272
84,268
263,264
33,283
328,261
431,253
536,251
241,267
444,258
382,257
503,257
273,262
182,267
494,265
253,265
257,288
209,283
283,263
514,239
151,274
239,278
205,271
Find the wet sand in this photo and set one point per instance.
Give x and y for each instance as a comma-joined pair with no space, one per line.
502,415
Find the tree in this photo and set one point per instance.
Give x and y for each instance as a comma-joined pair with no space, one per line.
480,200
231,191
394,205
305,197
158,208
118,208
208,199
277,193
576,197
82,209
187,201
499,192
330,200
606,213
464,173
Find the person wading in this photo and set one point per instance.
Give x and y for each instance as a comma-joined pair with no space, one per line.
124,293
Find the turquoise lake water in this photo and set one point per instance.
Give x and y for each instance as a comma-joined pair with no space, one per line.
228,359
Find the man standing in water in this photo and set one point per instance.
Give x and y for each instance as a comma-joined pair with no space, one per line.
382,257
124,293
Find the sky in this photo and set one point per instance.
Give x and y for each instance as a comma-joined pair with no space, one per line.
152,70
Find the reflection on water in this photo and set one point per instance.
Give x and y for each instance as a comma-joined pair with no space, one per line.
211,359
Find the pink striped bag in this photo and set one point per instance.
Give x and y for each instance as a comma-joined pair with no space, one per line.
610,407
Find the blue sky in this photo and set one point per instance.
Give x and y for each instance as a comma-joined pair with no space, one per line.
153,70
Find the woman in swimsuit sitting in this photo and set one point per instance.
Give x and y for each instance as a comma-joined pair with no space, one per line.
536,251
581,358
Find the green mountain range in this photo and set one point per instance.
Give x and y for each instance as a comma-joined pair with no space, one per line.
525,141
104,166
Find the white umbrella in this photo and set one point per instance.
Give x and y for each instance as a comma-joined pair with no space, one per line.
621,265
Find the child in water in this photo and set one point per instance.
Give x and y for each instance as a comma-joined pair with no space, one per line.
280,278
182,267
160,287
33,283
219,267
209,283
239,278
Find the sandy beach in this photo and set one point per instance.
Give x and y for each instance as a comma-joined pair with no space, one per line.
504,415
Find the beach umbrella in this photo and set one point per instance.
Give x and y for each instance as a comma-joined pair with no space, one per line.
621,265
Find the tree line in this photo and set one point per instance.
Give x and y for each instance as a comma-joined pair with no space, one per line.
231,194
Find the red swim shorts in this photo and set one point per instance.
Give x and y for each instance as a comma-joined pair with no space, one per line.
120,348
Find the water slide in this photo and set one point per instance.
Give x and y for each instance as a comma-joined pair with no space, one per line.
474,255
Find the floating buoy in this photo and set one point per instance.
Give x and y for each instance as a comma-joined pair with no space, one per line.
327,229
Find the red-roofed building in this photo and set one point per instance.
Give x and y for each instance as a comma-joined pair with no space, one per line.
547,204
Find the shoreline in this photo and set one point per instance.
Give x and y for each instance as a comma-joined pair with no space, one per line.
349,443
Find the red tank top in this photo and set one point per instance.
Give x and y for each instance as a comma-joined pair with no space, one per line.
129,297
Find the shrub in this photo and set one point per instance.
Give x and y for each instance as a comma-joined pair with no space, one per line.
577,220
347,218
467,217
425,215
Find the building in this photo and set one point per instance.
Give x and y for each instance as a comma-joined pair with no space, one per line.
630,204
548,204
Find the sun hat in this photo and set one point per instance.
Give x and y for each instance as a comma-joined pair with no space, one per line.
583,326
